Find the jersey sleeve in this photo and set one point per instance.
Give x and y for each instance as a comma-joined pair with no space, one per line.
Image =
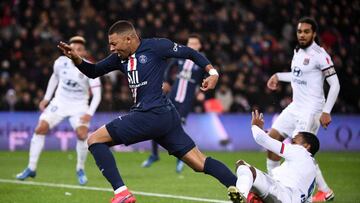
53,81
95,86
324,60
287,151
168,49
91,70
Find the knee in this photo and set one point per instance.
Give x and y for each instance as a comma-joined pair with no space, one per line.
81,133
42,128
198,168
92,140
242,165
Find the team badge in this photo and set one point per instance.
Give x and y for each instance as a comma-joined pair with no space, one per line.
297,72
306,61
142,59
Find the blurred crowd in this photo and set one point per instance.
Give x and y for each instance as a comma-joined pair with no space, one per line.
248,41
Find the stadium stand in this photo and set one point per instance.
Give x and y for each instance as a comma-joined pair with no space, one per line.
247,40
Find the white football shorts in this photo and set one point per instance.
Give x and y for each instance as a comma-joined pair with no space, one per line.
56,111
290,122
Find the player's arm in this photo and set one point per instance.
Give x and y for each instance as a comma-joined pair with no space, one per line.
273,82
265,140
50,89
169,49
332,79
95,87
91,70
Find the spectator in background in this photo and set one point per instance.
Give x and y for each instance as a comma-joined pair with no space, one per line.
238,36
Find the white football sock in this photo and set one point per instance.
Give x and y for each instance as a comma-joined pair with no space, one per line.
81,151
270,165
36,146
320,181
244,179
120,189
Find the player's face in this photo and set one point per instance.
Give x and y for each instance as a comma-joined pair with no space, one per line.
194,43
79,49
120,44
305,35
299,140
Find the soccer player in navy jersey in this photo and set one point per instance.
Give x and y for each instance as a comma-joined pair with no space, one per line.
153,116
181,91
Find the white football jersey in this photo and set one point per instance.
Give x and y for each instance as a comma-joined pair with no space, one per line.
73,85
307,78
297,171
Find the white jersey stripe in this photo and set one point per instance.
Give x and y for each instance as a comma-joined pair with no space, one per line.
183,83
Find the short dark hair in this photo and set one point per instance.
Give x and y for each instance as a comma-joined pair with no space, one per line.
121,26
310,21
195,35
312,140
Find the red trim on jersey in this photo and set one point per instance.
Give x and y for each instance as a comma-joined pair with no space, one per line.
131,63
327,60
282,148
95,86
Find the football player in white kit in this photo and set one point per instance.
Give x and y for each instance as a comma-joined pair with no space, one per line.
310,66
70,101
292,182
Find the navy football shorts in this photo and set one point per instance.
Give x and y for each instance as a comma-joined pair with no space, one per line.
161,124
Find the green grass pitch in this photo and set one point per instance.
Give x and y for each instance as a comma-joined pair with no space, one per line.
341,170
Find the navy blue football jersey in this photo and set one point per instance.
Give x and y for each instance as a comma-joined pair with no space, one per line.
145,69
189,76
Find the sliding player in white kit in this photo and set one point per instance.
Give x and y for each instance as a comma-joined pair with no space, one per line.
292,182
70,101
310,66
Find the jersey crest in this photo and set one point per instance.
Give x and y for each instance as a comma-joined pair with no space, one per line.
306,61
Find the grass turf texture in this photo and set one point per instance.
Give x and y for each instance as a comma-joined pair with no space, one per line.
341,170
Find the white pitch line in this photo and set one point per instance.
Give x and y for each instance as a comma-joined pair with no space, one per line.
110,190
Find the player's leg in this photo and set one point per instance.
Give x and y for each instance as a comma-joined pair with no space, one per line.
154,155
311,123
36,147
179,165
104,159
132,128
324,192
200,163
257,186
81,152
179,144
246,175
48,119
81,130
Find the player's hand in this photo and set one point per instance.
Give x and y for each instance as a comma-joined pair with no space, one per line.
325,120
85,118
273,82
209,83
69,52
166,87
43,103
257,119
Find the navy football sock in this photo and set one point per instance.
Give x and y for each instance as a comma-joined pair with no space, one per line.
154,149
219,171
106,163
